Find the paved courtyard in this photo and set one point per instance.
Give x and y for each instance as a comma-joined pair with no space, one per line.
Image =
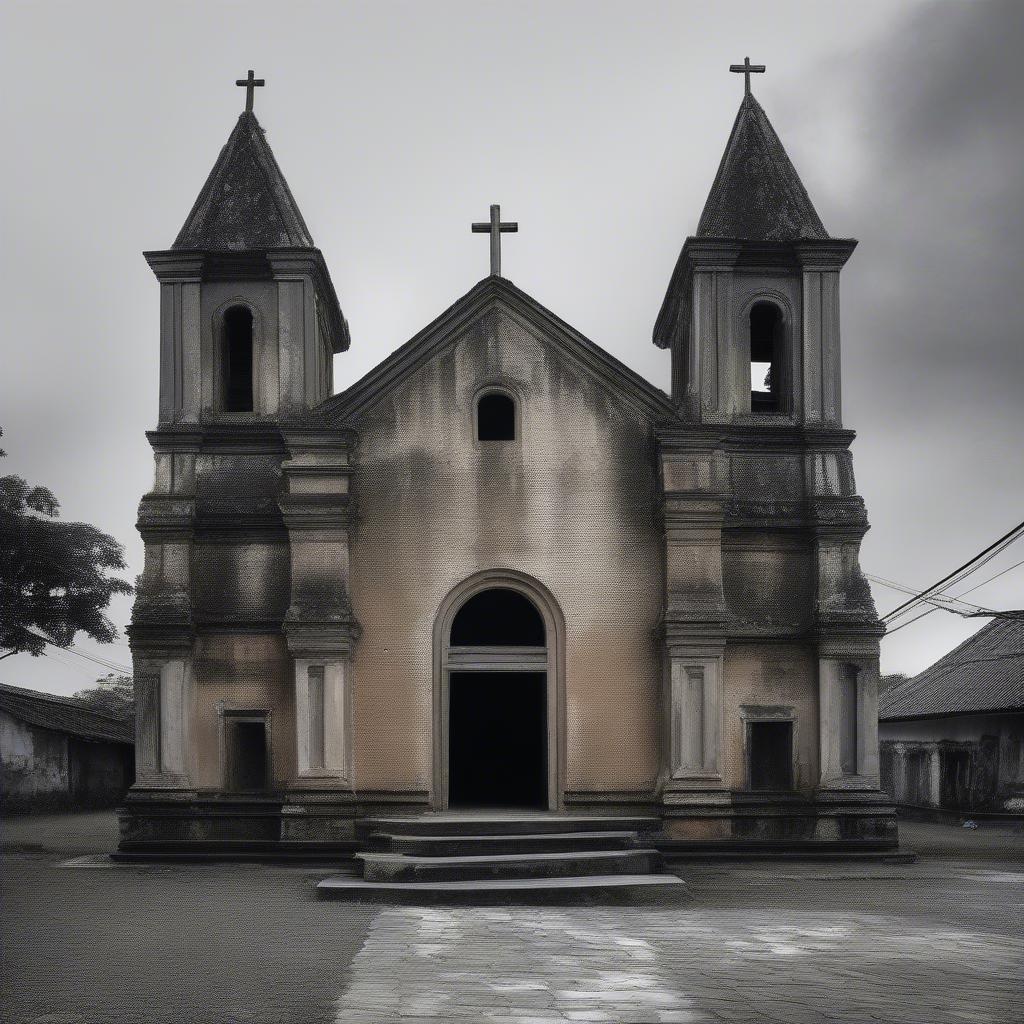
941,940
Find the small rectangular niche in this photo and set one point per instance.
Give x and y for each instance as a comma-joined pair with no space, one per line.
770,755
246,751
315,680
848,719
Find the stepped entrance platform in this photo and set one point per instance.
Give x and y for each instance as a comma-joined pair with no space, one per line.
506,856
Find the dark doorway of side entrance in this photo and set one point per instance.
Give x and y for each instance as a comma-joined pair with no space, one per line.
497,739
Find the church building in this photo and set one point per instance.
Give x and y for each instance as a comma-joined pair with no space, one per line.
503,571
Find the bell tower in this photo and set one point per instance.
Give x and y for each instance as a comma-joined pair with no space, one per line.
249,319
245,528
752,311
762,521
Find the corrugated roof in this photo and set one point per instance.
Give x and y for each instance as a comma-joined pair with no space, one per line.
246,203
985,673
64,714
757,194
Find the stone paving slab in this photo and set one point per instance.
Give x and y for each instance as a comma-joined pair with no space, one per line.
937,942
528,965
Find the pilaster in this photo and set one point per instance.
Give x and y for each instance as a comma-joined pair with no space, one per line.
694,472
162,629
820,261
319,625
180,275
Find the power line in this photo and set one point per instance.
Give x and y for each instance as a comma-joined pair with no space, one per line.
977,586
960,573
111,666
939,600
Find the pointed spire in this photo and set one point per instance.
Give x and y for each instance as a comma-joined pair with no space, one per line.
757,194
246,203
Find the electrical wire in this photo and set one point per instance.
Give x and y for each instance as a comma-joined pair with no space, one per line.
960,573
977,586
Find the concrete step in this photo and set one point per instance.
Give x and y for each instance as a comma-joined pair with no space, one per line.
480,823
659,890
489,845
197,851
399,867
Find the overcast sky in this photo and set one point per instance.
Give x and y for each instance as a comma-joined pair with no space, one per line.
598,126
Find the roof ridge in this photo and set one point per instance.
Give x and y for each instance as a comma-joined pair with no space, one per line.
78,703
391,368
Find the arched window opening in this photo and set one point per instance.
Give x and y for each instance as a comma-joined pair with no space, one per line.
765,358
498,618
238,359
495,417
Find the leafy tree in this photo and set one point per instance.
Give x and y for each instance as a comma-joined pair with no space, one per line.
112,693
53,575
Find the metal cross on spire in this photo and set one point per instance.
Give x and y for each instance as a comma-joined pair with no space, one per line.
746,69
251,84
495,227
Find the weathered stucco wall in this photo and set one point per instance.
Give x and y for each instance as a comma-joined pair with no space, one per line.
33,762
571,502
771,676
241,673
42,768
957,763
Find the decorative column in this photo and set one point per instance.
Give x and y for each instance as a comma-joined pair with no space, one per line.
709,373
319,623
694,480
821,260
847,625
162,632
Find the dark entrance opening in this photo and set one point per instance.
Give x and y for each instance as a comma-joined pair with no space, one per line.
497,739
771,755
246,753
497,717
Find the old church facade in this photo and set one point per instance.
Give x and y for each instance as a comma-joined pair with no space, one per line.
503,570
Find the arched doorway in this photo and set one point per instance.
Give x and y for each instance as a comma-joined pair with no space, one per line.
498,712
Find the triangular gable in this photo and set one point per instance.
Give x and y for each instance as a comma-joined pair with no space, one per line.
450,325
757,194
246,203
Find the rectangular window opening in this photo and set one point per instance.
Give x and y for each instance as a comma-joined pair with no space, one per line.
770,751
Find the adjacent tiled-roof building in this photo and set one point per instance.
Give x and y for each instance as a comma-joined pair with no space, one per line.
985,673
60,751
952,737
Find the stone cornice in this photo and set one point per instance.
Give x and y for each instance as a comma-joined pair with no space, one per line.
176,266
320,638
236,438
740,437
195,265
821,254
725,255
